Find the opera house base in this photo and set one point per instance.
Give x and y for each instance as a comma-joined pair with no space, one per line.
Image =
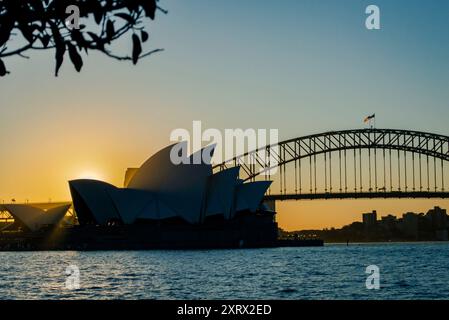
255,231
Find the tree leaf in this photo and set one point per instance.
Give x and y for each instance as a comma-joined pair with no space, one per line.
60,47
27,32
150,8
98,41
137,48
98,11
59,56
78,37
3,71
6,27
98,16
45,39
110,31
126,17
75,57
144,36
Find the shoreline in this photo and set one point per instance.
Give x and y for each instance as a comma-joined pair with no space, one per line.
387,242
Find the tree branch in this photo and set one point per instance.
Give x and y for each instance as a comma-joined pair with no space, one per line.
45,21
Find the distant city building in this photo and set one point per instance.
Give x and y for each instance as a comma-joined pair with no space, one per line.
388,222
410,224
438,218
370,219
389,218
432,226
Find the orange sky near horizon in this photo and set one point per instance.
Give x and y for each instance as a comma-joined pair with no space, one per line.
50,183
319,214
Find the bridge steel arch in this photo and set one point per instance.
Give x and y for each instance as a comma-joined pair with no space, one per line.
261,161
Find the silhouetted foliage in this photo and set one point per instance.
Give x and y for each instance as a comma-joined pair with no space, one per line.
41,25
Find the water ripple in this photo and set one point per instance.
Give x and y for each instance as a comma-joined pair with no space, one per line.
407,271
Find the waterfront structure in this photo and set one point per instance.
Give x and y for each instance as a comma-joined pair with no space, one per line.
162,206
33,218
304,156
369,219
410,224
161,191
388,222
438,218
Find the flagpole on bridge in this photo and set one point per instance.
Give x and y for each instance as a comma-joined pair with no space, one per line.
371,121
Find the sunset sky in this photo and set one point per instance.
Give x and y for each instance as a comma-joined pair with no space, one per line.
301,67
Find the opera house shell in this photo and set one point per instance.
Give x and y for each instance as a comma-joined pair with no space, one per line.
160,191
34,218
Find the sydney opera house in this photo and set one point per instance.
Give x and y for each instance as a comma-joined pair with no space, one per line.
162,205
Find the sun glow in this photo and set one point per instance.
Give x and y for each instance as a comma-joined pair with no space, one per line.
90,174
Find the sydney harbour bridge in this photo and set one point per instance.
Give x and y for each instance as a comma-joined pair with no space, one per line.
351,164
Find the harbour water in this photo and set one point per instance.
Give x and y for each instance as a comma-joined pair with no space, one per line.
407,271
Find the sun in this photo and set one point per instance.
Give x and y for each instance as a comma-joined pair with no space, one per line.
91,175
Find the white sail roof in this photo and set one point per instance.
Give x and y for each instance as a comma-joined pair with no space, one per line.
183,184
130,203
220,193
162,188
91,199
250,195
35,218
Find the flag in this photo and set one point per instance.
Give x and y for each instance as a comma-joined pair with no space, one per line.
369,118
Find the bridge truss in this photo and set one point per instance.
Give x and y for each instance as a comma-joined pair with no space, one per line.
363,163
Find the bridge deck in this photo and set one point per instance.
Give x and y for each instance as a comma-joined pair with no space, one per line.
359,195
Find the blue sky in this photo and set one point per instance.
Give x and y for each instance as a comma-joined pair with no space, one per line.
268,64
